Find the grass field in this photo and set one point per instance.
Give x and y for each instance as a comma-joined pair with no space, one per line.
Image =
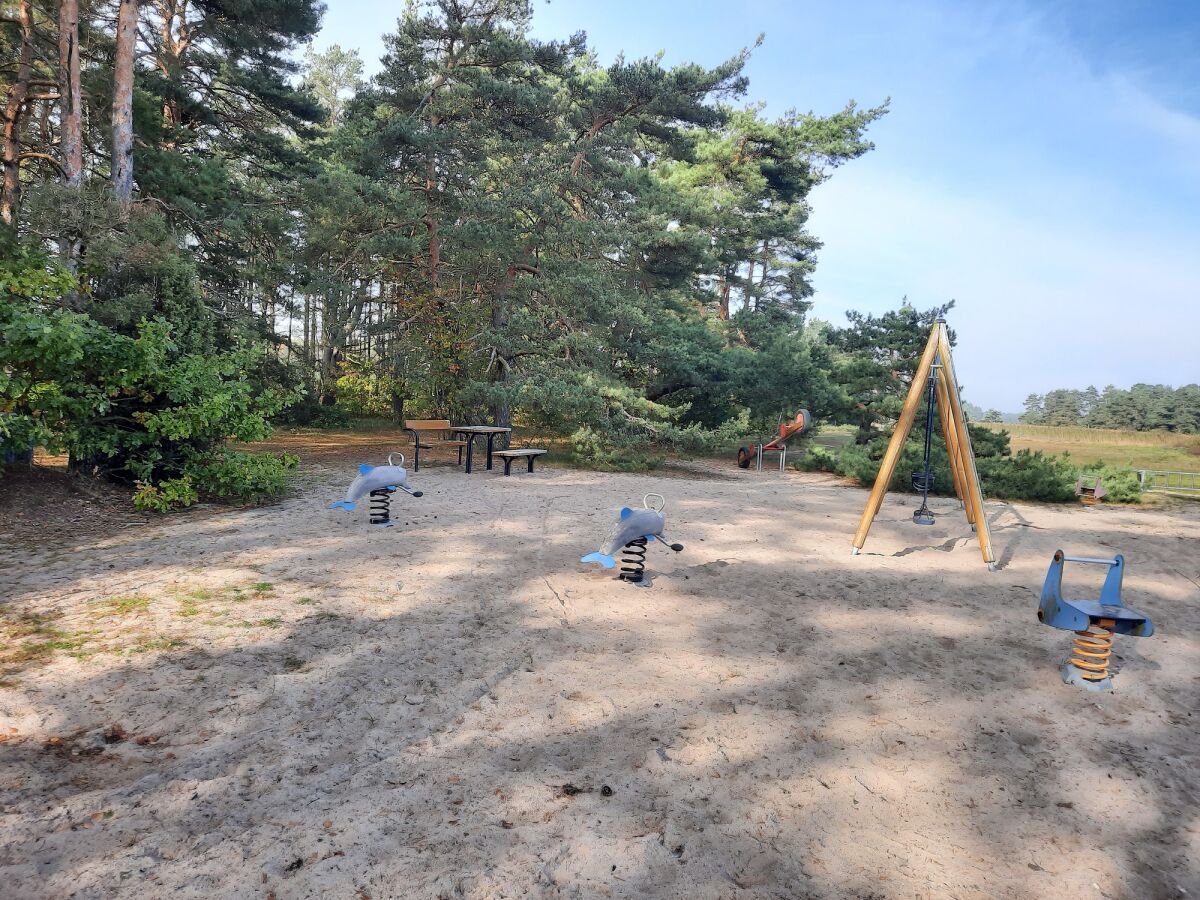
1139,449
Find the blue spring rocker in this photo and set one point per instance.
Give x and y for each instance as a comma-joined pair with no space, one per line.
1093,621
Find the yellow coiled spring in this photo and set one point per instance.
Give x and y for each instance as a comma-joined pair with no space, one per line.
1091,649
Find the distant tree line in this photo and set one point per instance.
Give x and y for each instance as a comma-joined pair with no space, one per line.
1143,407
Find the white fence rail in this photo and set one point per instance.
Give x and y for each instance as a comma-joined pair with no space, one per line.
1169,482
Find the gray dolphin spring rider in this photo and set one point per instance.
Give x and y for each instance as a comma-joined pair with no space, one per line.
629,535
380,482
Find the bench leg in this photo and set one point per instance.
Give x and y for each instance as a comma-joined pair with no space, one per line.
508,465
417,453
531,459
491,441
460,456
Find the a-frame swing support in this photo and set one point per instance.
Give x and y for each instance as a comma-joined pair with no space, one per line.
954,430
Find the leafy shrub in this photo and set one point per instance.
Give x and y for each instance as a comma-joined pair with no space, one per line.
131,406
1120,482
245,477
600,451
364,394
1027,475
817,459
175,493
988,443
308,411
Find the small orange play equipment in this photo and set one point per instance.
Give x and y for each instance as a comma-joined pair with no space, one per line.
800,424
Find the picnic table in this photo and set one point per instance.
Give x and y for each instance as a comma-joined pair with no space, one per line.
470,432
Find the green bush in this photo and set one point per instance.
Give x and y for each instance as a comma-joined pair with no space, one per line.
600,451
988,443
817,459
1120,482
307,411
131,406
245,477
364,395
165,496
1027,475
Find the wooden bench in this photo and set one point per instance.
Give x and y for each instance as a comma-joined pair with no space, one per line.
440,428
508,456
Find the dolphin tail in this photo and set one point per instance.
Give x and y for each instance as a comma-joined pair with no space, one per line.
342,504
603,558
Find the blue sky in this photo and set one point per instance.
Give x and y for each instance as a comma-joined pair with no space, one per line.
1040,164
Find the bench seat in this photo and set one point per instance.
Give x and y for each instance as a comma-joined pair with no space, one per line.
528,453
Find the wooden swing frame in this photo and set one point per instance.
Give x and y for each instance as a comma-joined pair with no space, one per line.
955,433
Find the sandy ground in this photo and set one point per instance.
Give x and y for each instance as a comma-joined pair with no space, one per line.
284,702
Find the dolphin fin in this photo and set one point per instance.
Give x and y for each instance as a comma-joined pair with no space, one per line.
603,558
626,512
342,504
363,468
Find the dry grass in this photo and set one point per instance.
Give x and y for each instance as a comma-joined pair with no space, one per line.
1139,449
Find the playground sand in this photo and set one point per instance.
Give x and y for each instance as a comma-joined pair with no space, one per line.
282,702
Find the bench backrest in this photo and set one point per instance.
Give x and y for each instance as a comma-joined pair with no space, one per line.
428,424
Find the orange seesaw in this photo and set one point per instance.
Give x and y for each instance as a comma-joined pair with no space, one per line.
798,425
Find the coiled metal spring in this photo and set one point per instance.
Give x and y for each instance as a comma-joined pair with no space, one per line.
633,561
381,507
921,482
1091,649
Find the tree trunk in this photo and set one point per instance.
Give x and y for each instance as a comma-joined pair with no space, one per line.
723,295
69,95
431,219
501,410
329,375
176,38
122,115
13,109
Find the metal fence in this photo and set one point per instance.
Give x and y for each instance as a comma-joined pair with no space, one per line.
1169,482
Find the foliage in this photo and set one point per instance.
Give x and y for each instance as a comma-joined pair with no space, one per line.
1025,475
130,406
1120,483
167,495
1028,475
28,273
877,360
246,477
1144,407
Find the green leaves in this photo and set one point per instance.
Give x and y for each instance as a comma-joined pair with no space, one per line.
134,407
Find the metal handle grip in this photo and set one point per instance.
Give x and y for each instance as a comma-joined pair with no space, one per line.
1091,560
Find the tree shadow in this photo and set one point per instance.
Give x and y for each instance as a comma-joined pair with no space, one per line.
865,727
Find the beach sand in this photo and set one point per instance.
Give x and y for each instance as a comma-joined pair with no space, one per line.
285,702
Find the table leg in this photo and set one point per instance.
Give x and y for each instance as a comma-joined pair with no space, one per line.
491,440
470,445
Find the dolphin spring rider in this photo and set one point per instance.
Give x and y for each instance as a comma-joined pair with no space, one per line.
632,530
379,482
